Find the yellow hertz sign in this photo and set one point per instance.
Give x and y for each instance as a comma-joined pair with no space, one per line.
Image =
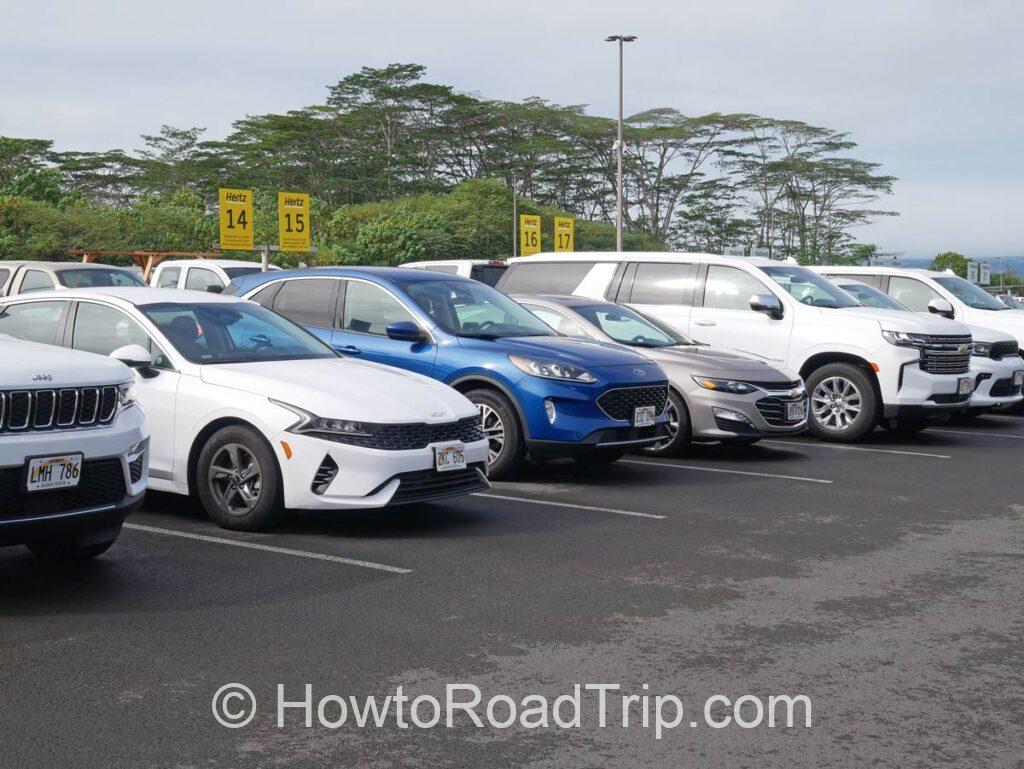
529,235
293,221
236,219
564,233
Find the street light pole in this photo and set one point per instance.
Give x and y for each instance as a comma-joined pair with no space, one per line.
620,39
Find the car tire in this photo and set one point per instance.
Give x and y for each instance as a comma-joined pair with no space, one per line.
62,551
504,434
844,406
681,432
237,480
599,458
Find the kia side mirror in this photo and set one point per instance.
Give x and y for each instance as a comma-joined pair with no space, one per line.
133,356
941,307
406,331
769,304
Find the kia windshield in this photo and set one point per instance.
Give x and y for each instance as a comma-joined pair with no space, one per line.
233,333
471,309
809,287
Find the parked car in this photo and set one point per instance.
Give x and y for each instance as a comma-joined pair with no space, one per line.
539,393
254,415
29,277
862,369
937,293
713,395
996,366
487,271
1011,301
202,274
73,456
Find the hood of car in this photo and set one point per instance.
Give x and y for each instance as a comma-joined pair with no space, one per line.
705,361
910,322
343,388
1008,321
987,334
28,365
579,352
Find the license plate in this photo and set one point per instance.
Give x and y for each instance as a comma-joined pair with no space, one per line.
451,457
796,412
1018,378
644,416
964,385
59,472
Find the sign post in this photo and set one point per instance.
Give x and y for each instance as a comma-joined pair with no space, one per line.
985,274
293,221
565,231
529,235
236,231
972,272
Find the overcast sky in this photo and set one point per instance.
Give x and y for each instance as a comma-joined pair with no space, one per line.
931,89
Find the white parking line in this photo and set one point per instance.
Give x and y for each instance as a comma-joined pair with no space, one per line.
698,468
824,445
972,432
1004,416
268,548
631,513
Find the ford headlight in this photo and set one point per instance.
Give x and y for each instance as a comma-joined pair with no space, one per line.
905,339
725,385
982,349
550,369
125,395
310,423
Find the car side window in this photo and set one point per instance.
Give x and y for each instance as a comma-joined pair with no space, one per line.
100,329
729,288
545,277
660,283
448,269
200,278
169,277
912,293
307,301
369,309
4,275
557,321
32,321
36,280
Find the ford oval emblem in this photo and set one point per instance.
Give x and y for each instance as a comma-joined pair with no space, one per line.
639,371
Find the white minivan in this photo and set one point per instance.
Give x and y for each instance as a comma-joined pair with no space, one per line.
210,275
862,369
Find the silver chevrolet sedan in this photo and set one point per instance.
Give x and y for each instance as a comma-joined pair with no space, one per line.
714,395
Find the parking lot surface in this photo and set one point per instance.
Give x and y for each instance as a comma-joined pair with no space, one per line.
882,581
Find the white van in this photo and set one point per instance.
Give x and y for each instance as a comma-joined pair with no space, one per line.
202,274
487,271
862,369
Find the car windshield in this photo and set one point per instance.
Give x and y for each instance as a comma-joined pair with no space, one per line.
471,309
809,287
98,277
233,333
869,296
237,272
628,327
1010,302
970,294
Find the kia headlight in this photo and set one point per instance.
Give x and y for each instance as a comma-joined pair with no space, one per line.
905,339
982,349
550,369
125,395
725,385
309,423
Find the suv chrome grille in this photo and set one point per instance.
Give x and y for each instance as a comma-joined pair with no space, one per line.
947,355
39,410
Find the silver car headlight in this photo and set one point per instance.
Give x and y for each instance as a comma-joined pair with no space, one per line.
309,422
550,369
725,385
125,396
905,339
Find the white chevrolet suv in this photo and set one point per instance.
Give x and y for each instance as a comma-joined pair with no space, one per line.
73,458
862,369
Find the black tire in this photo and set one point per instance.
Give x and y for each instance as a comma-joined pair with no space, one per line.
508,447
237,499
64,551
599,458
682,434
856,389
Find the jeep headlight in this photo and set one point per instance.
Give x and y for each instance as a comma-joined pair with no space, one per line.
550,369
310,423
125,395
982,349
725,385
905,339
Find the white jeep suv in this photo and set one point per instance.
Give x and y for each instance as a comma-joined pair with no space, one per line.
862,369
73,458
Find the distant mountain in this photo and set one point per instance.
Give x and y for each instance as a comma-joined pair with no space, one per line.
1015,263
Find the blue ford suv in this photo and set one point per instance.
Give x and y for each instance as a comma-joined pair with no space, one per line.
539,393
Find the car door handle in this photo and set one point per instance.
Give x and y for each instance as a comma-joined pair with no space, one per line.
705,323
350,350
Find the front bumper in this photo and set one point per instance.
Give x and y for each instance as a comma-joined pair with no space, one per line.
112,485
370,478
994,382
908,391
762,421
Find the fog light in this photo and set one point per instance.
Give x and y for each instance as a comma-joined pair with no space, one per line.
732,416
549,409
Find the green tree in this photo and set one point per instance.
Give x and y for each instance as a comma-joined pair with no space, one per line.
950,260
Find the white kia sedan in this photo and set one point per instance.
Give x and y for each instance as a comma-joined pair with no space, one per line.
254,415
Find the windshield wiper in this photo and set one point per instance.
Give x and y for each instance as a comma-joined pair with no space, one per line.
480,335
